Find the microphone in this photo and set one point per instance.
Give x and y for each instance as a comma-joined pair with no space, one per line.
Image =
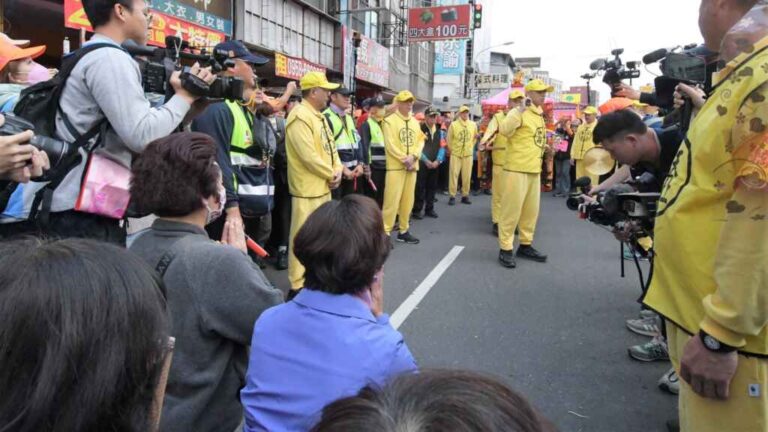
583,182
597,64
653,57
135,49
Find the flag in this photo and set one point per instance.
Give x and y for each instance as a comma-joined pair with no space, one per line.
574,98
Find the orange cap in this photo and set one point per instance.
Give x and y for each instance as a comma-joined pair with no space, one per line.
10,52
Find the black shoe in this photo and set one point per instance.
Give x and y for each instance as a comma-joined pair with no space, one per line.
282,260
407,238
260,262
528,252
507,259
475,192
431,213
496,229
487,192
452,201
465,200
417,215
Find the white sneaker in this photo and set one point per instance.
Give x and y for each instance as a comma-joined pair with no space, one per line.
646,327
670,382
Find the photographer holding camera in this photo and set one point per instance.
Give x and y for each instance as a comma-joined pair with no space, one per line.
709,277
19,161
104,99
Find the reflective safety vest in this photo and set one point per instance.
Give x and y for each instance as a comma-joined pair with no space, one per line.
376,150
346,137
251,165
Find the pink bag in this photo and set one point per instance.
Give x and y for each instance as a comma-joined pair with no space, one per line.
106,188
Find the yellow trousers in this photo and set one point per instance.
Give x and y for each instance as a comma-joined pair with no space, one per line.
398,199
581,171
301,208
461,166
497,190
519,208
743,411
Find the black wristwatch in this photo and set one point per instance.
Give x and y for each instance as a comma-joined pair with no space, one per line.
714,345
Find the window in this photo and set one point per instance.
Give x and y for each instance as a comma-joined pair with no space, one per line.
326,42
424,59
311,37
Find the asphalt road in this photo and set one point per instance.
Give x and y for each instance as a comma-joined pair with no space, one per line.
555,332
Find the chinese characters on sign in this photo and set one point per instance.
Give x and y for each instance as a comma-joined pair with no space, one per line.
162,25
449,57
293,68
190,11
490,81
439,23
372,62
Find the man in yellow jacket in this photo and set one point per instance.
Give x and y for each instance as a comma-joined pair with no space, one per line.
314,168
461,144
527,138
583,142
710,277
496,143
404,142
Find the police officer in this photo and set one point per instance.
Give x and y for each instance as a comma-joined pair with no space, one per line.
461,144
527,137
372,144
432,157
497,143
314,168
347,142
404,143
582,143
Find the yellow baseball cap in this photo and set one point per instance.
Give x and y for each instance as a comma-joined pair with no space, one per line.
315,79
538,85
590,110
464,108
405,96
639,104
516,94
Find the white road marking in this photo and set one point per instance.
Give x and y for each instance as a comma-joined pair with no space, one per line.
421,291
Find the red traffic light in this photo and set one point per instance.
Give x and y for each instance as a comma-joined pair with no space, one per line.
479,7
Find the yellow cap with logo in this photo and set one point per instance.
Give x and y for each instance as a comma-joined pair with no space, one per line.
315,79
463,108
538,86
590,110
516,94
405,96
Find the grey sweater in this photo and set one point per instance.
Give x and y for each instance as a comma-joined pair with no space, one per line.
107,83
215,294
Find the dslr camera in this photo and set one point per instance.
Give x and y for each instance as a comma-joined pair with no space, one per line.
55,149
614,70
157,65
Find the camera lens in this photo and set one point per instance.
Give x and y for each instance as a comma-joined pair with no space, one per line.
573,203
55,149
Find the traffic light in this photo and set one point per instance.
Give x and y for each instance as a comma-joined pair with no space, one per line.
477,16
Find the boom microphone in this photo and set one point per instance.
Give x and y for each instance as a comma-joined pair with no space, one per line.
653,57
597,64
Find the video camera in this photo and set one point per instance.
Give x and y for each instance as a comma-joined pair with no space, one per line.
157,65
614,70
686,65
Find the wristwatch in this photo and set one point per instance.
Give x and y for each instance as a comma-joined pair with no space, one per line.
713,344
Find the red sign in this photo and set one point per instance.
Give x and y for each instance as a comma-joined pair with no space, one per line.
162,25
439,23
372,62
294,68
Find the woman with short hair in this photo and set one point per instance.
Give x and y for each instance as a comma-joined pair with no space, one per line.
215,292
333,338
83,339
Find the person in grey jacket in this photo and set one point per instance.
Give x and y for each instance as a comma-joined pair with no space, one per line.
215,292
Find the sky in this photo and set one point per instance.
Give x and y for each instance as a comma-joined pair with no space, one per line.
569,34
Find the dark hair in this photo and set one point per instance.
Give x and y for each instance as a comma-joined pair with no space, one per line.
99,12
342,245
83,334
174,174
437,400
621,122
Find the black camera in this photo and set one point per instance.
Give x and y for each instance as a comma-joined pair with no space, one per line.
614,70
157,65
55,149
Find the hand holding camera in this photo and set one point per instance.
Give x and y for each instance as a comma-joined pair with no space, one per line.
20,161
186,82
684,92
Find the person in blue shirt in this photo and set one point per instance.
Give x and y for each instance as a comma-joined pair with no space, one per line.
333,338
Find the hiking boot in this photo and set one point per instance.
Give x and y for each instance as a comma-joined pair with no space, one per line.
282,260
528,252
655,350
645,327
452,201
670,382
417,216
406,237
507,259
431,214
465,200
496,229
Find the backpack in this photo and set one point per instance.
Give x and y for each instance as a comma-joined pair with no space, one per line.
39,104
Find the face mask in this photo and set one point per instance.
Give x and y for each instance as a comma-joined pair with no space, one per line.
38,73
215,214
